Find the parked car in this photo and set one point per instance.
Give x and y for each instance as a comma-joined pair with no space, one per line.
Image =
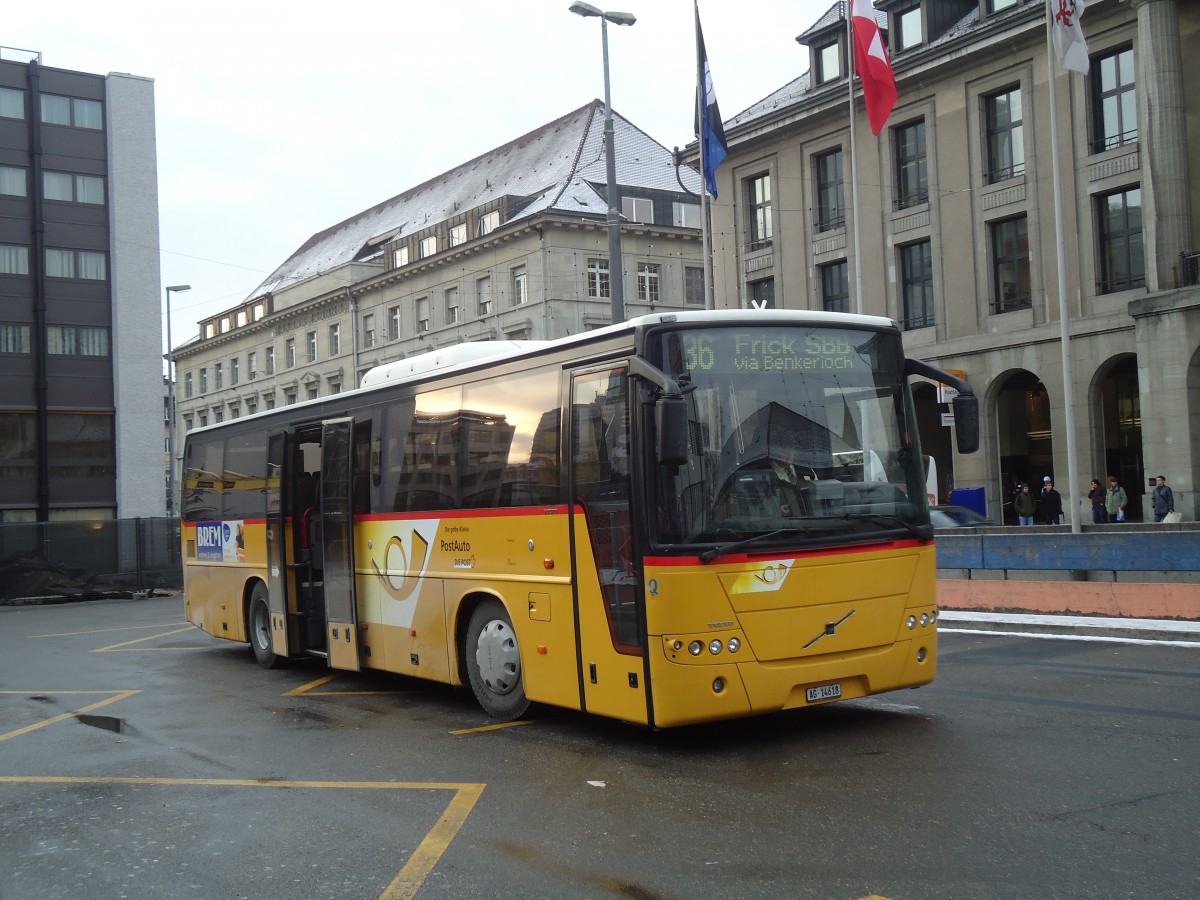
956,517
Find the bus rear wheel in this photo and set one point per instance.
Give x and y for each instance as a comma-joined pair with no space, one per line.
494,662
259,620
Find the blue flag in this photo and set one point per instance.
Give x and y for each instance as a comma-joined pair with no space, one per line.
711,130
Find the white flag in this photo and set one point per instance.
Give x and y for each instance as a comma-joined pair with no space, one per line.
1067,34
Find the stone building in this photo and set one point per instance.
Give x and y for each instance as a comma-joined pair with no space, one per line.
956,217
512,245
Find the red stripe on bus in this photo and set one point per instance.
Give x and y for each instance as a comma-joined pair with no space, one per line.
857,549
510,512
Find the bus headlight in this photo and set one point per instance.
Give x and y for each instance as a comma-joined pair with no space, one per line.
718,685
911,623
734,645
924,619
695,648
715,647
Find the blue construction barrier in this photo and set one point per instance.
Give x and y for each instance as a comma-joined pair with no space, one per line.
1108,548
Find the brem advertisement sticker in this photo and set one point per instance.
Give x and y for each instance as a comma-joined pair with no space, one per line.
221,541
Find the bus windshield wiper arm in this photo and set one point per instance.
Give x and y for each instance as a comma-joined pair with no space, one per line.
818,525
923,533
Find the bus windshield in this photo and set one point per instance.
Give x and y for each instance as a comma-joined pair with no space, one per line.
795,432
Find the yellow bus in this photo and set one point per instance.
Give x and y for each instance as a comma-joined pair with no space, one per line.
677,519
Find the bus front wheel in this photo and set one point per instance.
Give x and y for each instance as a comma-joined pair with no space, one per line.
259,620
494,662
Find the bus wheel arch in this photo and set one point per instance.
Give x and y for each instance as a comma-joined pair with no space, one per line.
258,624
491,657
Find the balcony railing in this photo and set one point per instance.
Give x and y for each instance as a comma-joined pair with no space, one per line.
1189,264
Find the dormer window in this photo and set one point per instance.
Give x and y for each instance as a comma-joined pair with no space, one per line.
458,234
909,28
829,62
489,222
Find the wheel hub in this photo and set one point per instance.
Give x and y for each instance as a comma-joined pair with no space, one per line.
498,658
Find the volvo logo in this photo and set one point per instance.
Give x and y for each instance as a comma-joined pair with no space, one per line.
830,628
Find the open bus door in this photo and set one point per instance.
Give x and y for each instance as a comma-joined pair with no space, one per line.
337,544
277,562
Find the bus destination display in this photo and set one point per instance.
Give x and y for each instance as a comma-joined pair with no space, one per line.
767,351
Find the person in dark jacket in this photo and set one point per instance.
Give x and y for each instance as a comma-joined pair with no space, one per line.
1051,504
1096,495
1162,499
1025,504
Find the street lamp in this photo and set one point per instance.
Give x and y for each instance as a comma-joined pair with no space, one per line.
616,282
179,289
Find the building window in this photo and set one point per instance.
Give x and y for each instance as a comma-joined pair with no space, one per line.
14,259
399,257
12,103
829,62
458,234
451,305
252,364
369,331
693,285
489,222
835,287
393,323
335,387
14,338
685,215
73,111
916,284
270,360
312,392
226,324
269,400
203,381
289,353
1122,263
289,396
1010,265
219,375
73,188
520,286
912,171
310,341
428,246
637,209
762,293
597,277
335,341
203,417
251,406
235,370
71,340
241,318
761,228
908,28
1114,101
998,5
12,181
483,295
422,314
187,385
85,264
831,194
235,410
648,277
1005,135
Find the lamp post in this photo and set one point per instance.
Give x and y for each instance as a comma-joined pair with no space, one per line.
616,282
179,289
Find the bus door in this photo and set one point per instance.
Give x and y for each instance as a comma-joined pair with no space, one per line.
609,596
337,544
277,555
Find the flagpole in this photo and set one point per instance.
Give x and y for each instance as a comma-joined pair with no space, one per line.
705,206
858,274
1063,311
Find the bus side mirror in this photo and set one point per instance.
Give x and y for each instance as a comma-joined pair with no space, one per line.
671,425
966,422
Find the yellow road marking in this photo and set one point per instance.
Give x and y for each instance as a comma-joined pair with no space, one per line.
118,695
117,648
407,881
496,727
103,630
309,690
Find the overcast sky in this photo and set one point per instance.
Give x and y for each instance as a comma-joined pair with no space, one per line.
277,120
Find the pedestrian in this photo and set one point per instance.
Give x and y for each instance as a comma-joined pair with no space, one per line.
1025,504
1096,495
1162,499
1115,500
1051,504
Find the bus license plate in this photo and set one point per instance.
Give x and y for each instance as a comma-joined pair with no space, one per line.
824,692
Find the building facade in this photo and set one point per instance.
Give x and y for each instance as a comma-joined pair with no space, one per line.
957,229
81,414
512,245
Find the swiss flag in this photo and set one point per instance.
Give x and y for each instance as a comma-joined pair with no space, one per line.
872,64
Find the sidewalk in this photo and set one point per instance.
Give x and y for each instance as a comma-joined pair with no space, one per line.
1172,632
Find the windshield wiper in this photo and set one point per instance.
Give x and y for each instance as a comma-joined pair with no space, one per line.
923,533
814,528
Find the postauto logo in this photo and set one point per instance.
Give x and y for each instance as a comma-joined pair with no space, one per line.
211,538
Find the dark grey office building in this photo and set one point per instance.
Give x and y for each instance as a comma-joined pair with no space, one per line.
81,380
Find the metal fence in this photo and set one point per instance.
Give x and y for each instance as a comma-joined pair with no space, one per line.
78,560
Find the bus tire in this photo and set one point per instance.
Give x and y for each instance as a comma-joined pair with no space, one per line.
258,621
494,662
